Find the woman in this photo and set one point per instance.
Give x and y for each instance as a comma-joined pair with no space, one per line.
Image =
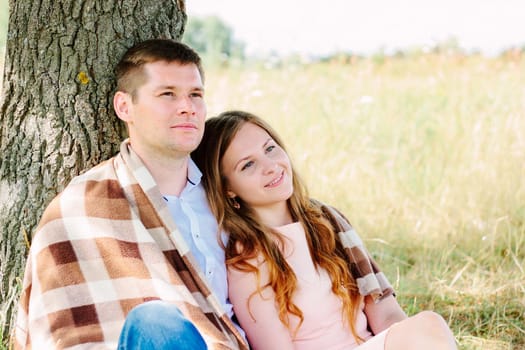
298,275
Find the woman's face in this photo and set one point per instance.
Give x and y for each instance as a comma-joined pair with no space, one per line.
257,169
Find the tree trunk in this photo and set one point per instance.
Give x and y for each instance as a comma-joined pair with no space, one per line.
56,119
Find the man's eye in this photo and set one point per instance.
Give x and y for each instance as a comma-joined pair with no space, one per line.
197,94
167,93
247,165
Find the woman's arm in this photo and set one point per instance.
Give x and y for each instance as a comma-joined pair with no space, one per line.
261,321
383,314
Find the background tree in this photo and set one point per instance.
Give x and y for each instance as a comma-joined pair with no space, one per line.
56,118
213,39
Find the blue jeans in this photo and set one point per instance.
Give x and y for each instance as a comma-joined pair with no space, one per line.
159,325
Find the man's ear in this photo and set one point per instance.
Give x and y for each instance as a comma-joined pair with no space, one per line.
122,105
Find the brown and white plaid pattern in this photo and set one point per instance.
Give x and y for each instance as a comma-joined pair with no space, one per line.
369,278
104,245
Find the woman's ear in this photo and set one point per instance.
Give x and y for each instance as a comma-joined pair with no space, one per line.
231,194
122,105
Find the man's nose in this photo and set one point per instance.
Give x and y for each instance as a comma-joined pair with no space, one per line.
185,105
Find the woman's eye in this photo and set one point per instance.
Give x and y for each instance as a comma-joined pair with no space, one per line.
247,165
167,93
270,148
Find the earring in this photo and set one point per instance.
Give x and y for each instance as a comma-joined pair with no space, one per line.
235,204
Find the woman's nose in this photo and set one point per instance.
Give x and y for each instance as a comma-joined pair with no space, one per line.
270,166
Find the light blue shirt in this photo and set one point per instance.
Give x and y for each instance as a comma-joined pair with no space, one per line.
198,226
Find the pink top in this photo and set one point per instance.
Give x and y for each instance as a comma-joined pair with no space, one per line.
323,326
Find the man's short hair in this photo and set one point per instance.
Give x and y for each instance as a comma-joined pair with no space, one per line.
129,71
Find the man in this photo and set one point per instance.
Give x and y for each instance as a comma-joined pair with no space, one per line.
133,240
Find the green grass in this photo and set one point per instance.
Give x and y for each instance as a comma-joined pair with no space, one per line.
426,156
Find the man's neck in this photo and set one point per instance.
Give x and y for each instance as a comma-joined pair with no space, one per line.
171,176
170,173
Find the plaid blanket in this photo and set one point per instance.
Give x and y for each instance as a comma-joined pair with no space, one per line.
369,278
104,245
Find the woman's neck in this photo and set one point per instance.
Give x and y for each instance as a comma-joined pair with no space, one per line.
275,215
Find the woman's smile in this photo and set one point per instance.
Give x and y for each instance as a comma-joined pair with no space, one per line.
276,182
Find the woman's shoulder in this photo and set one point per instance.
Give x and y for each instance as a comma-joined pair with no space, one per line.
338,220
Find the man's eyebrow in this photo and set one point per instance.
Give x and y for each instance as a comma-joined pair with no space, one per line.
165,87
198,88
175,87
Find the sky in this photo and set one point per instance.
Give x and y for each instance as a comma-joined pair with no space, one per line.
366,26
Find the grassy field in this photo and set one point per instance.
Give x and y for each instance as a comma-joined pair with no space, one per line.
426,156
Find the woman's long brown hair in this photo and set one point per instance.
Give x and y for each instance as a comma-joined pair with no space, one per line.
249,238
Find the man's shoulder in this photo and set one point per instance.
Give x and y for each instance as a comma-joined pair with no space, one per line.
102,171
75,192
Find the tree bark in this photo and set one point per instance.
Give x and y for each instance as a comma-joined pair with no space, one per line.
56,119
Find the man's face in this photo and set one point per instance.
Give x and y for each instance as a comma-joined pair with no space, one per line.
166,117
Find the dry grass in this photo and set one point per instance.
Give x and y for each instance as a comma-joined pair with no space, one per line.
426,156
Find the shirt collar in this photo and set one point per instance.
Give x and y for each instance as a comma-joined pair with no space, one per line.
194,174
